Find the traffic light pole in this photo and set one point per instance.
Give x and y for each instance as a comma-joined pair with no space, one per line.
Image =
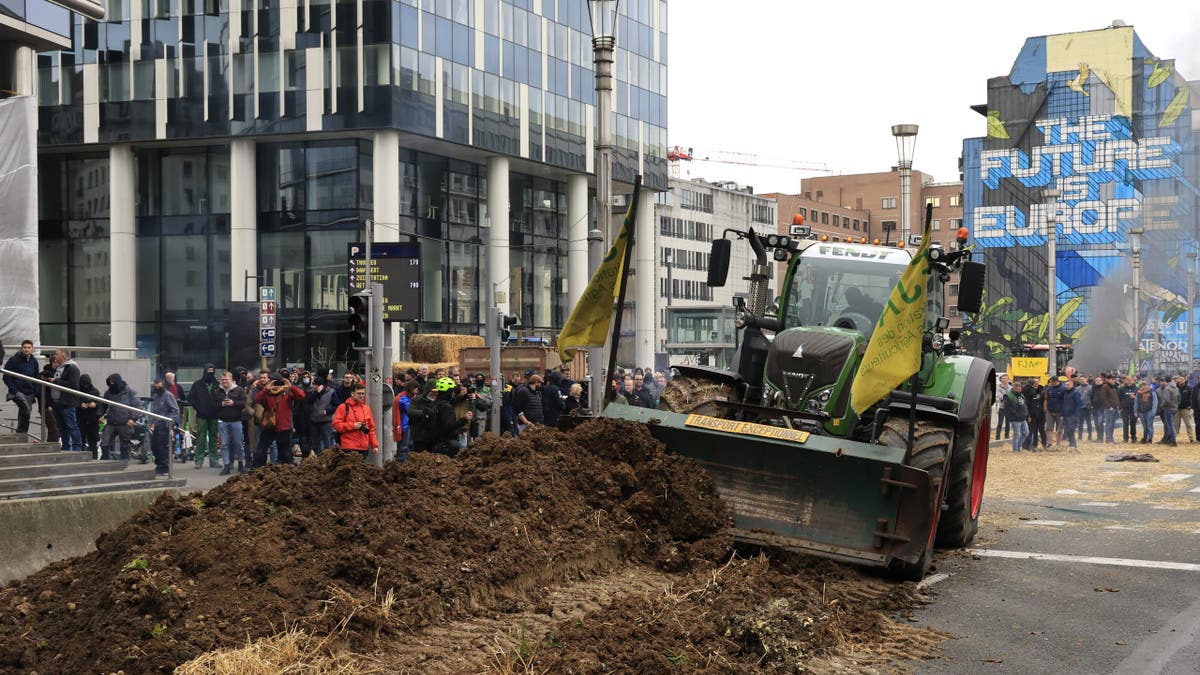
374,365
495,376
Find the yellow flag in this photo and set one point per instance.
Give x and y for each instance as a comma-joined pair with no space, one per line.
894,352
590,319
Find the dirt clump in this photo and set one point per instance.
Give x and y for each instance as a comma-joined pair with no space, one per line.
588,551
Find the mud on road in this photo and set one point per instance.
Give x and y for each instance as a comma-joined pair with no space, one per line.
589,551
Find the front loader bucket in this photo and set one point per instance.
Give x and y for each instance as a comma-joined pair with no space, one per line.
818,494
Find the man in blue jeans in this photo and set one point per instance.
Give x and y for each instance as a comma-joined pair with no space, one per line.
1017,412
1168,400
229,400
1146,404
1072,408
66,374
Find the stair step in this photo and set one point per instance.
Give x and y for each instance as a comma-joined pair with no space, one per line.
89,478
36,470
152,484
6,439
56,458
27,448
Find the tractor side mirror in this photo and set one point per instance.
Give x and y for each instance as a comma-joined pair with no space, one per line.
718,262
970,286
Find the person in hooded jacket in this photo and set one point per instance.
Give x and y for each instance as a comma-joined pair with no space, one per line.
320,416
230,400
118,422
162,402
276,400
201,398
89,417
22,392
553,404
355,424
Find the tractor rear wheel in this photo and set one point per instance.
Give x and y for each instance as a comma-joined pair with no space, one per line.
702,396
964,489
931,447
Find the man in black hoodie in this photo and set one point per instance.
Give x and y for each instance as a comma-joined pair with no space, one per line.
201,398
119,422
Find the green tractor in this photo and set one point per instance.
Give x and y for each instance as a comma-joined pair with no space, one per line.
799,467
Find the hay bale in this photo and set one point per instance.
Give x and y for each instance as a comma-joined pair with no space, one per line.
399,368
440,348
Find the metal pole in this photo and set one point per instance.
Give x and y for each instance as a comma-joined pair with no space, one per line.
492,329
387,444
905,197
1135,238
374,376
595,355
1052,287
1191,324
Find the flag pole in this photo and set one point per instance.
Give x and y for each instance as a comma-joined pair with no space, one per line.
915,384
622,285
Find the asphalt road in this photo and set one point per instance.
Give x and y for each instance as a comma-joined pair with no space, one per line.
1072,583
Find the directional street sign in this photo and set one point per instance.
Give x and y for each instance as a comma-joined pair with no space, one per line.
266,321
267,349
395,265
268,335
266,294
268,308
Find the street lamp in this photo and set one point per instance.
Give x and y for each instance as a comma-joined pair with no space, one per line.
1135,250
1050,197
603,16
906,144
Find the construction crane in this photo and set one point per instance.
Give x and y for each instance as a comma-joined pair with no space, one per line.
678,154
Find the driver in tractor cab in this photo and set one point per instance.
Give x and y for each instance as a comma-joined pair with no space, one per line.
858,301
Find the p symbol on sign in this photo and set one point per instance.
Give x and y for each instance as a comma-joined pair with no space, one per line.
353,251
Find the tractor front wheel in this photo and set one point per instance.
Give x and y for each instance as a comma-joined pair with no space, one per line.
931,447
964,489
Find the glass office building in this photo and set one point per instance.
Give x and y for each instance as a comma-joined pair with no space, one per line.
191,150
1110,129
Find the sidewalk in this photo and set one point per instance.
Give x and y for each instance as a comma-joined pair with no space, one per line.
199,480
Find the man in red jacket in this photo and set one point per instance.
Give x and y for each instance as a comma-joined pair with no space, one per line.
355,424
276,399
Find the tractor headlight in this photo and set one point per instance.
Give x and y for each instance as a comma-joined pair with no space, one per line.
823,397
814,405
937,341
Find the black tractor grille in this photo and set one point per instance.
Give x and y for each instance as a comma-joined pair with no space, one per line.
821,358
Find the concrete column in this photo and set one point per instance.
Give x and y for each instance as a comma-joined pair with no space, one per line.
578,223
122,250
385,176
23,71
645,247
243,221
498,225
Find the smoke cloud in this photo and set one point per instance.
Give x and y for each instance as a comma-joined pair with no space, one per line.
1108,342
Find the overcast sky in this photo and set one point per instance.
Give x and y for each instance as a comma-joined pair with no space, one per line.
788,80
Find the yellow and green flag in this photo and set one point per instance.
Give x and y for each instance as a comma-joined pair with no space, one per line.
590,320
894,352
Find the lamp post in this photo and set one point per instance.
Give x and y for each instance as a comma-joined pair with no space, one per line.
906,144
1191,295
1135,250
1050,196
603,17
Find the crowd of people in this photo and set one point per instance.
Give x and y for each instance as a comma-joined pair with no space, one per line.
236,420
1071,406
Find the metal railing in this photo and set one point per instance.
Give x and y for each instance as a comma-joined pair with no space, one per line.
99,399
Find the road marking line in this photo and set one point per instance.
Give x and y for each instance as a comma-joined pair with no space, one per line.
1139,486
1171,508
1099,504
1069,492
1120,527
932,579
1174,477
1086,559
1051,523
1194,490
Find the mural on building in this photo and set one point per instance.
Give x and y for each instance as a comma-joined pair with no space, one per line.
1105,125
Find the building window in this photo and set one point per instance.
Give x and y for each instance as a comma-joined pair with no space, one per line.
955,200
889,226
935,202
803,212
954,290
824,217
889,202
845,222
820,194
953,310
955,223
856,224
937,224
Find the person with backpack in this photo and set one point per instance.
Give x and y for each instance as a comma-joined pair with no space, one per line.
276,401
432,420
355,424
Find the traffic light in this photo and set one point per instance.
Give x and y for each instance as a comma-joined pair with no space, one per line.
359,319
507,321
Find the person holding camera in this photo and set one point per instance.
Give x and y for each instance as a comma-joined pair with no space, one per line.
355,424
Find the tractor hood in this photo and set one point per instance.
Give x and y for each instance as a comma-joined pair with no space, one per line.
809,368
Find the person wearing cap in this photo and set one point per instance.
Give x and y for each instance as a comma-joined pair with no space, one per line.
355,424
276,400
527,402
1053,407
1147,408
1108,406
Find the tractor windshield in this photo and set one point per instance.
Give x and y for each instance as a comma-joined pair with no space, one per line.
840,291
